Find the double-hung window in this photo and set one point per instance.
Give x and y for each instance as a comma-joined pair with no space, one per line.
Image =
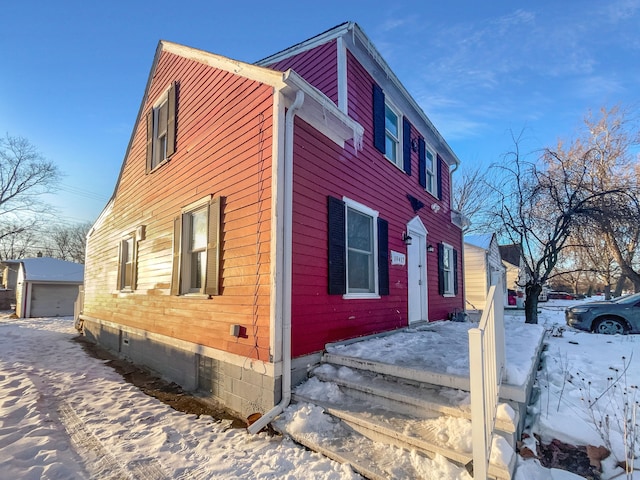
392,134
361,255
430,172
161,129
196,249
447,270
127,264
358,250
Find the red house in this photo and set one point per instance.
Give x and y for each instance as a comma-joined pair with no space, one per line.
263,210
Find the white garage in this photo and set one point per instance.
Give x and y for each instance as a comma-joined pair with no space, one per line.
47,287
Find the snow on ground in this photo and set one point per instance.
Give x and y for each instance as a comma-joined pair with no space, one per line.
66,415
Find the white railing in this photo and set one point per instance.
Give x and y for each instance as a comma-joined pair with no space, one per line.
486,369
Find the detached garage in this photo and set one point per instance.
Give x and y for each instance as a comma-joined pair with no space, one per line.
47,287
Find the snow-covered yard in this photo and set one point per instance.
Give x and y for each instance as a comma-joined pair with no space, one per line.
67,415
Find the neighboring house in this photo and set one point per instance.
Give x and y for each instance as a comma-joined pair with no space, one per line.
482,268
8,279
263,210
515,266
45,287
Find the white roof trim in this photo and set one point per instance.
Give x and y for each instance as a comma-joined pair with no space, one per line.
319,111
247,70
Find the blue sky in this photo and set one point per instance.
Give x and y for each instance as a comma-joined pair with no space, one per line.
73,72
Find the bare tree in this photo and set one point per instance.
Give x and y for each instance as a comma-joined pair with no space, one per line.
68,242
540,203
604,151
473,197
25,175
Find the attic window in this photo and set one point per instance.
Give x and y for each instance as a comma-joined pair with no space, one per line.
161,129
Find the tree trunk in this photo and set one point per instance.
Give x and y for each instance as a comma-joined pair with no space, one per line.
531,302
619,286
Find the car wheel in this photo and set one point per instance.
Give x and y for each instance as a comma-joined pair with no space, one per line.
610,326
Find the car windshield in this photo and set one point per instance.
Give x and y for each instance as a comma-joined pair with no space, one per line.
627,299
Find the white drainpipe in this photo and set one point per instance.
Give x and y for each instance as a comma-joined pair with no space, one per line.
287,244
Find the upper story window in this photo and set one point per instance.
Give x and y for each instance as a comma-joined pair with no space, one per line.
392,132
161,129
430,172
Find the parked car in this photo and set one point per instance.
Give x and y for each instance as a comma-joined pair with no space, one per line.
617,316
561,296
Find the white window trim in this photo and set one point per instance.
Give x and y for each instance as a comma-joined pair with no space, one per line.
348,203
122,265
185,261
162,99
450,289
398,161
432,187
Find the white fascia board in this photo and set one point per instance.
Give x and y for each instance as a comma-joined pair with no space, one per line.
321,113
246,70
307,44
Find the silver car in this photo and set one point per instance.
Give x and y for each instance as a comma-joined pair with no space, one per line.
617,316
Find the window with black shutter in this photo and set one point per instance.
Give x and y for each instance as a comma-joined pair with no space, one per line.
358,250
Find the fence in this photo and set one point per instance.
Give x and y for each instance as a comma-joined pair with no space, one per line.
486,369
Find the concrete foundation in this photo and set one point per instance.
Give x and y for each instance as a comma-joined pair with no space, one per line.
242,385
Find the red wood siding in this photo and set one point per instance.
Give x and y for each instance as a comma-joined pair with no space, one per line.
318,66
223,148
322,169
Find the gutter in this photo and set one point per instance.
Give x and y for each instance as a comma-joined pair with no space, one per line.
285,287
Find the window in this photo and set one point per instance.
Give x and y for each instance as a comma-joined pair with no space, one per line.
127,264
430,169
392,134
447,270
358,250
161,122
391,131
430,172
196,249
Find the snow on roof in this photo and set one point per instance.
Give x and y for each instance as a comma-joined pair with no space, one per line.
48,269
481,241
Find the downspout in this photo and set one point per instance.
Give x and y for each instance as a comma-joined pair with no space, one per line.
286,269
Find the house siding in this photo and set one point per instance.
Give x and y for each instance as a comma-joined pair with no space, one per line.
322,169
318,66
223,148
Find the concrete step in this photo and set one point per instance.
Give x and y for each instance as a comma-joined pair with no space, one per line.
415,398
514,393
370,458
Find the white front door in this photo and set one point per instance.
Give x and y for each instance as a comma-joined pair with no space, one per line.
417,271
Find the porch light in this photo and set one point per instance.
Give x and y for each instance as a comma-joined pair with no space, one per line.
406,238
430,249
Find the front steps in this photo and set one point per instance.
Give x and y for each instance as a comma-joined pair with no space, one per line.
393,422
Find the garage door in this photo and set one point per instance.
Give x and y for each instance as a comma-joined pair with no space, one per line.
53,300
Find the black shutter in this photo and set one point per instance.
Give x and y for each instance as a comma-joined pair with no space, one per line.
212,282
422,163
383,257
378,118
149,140
337,247
406,145
439,178
455,272
176,278
171,120
441,286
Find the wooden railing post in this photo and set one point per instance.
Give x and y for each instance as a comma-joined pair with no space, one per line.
486,371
